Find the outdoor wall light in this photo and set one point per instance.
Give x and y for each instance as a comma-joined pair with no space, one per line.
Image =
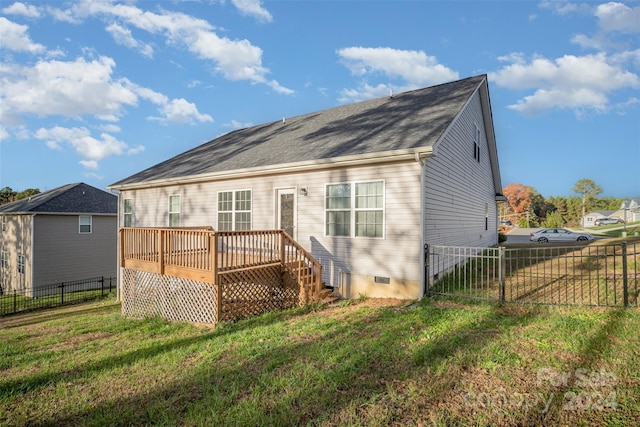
303,191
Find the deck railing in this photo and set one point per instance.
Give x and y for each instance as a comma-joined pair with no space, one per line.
202,254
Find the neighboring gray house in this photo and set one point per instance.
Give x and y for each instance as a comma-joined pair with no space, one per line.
65,234
362,187
589,219
629,211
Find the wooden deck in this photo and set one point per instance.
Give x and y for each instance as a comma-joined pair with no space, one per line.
207,256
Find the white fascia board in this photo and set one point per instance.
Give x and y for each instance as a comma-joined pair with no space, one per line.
338,162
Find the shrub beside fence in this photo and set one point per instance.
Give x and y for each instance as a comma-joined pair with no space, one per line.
57,294
599,275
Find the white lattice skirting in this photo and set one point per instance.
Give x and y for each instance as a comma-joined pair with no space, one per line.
147,294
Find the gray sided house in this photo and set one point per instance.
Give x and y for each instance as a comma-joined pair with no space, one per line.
65,234
629,212
362,187
589,219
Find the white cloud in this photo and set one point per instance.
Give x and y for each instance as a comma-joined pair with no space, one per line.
413,68
366,91
253,8
123,37
71,89
89,164
173,111
181,111
22,9
79,88
587,42
14,37
3,133
62,15
234,124
135,150
569,82
233,59
564,7
614,19
53,145
148,94
618,17
91,149
111,128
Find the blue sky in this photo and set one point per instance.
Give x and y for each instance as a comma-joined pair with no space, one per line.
94,91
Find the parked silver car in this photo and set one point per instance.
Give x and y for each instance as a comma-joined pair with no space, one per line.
603,221
558,235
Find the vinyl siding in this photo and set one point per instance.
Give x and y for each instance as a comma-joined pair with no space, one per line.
16,239
457,186
62,254
397,255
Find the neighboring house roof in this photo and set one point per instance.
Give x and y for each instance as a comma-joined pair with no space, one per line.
409,123
78,198
632,203
602,213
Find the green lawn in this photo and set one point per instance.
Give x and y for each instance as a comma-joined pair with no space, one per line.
366,362
615,230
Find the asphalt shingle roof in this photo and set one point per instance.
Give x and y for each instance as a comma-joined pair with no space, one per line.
71,198
405,121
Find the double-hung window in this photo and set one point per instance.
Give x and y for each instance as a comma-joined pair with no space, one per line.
85,224
4,259
127,211
174,211
338,206
4,222
234,210
21,263
355,209
476,144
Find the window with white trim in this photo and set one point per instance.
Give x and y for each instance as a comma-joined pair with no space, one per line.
355,209
234,210
4,222
4,259
127,212
476,144
85,223
486,216
21,263
174,211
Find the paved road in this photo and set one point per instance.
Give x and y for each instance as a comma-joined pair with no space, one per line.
520,235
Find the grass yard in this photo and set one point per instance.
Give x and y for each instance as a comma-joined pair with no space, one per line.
366,362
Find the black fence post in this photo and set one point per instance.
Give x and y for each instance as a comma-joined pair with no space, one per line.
625,278
15,300
502,264
102,286
427,281
62,293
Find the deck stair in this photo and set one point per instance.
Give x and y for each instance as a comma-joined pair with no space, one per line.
207,276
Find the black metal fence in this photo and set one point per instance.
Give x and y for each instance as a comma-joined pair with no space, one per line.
57,294
598,275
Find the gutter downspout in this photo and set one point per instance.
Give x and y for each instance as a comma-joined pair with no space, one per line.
118,269
423,277
33,252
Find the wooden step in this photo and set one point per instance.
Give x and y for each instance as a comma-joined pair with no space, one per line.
326,296
325,293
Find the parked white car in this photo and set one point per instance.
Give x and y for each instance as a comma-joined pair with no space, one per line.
558,235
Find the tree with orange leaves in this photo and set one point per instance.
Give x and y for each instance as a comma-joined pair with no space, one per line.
520,198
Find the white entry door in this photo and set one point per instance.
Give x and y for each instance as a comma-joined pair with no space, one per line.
286,210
